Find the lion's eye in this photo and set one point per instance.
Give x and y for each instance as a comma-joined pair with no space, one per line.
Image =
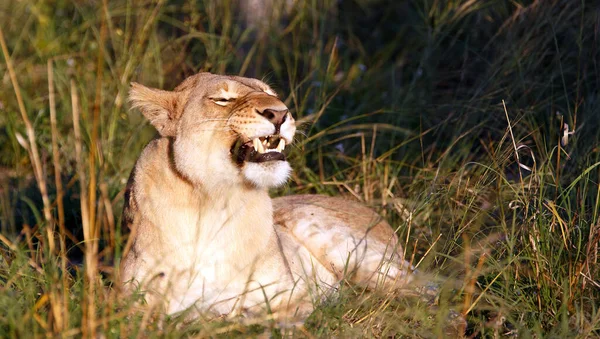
222,101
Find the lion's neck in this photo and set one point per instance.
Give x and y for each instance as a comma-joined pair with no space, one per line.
205,223
237,218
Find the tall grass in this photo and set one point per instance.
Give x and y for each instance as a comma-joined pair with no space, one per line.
471,125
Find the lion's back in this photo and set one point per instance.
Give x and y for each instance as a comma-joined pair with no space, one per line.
331,212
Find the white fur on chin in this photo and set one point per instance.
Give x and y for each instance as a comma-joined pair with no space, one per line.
267,174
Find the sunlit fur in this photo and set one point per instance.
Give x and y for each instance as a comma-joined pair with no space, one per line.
267,175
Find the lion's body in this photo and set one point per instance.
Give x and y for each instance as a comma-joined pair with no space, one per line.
205,232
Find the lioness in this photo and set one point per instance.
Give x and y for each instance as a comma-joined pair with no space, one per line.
205,232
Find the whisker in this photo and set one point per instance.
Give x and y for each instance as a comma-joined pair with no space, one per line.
214,119
303,133
215,129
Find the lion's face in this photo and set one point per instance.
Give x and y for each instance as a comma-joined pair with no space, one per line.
226,130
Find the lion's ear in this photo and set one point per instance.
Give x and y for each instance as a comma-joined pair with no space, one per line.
162,108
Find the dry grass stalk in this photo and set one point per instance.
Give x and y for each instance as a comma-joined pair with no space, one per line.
85,215
109,214
91,240
55,154
61,314
59,197
514,143
34,155
364,167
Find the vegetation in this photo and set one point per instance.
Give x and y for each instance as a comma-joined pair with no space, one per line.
471,125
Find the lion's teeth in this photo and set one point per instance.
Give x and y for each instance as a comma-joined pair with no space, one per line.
281,145
255,143
260,148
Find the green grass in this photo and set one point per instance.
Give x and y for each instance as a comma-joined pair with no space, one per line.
445,116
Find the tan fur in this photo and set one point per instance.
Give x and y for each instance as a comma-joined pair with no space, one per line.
205,232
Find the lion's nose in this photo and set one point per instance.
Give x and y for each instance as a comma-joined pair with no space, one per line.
277,118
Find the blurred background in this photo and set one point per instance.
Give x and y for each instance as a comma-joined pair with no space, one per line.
472,126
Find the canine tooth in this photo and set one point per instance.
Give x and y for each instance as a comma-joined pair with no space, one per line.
256,143
260,148
281,145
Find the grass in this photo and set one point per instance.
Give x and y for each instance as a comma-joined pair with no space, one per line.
452,118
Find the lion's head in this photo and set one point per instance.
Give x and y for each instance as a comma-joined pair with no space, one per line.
226,130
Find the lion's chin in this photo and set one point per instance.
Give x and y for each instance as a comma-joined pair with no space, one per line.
267,174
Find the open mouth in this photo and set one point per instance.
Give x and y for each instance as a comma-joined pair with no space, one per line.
262,149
